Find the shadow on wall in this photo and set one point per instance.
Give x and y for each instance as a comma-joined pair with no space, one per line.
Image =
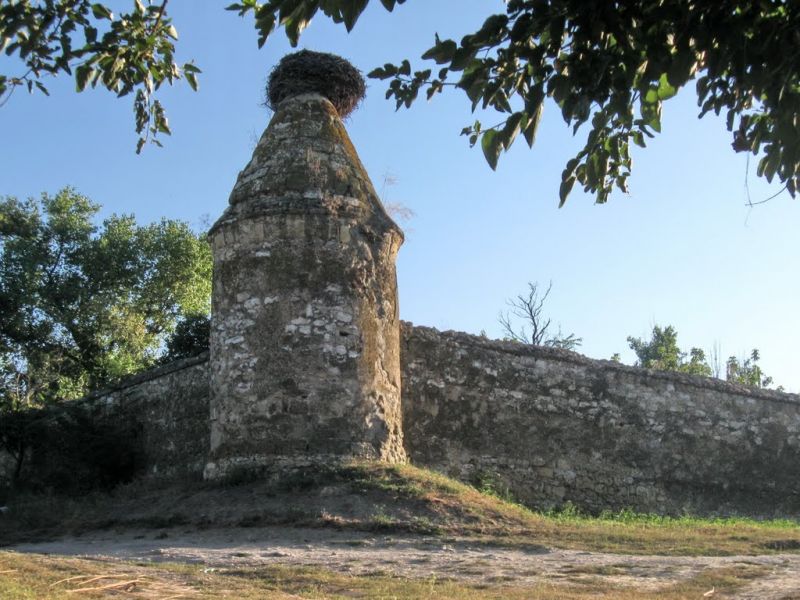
69,449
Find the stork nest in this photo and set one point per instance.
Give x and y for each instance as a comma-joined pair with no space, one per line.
307,72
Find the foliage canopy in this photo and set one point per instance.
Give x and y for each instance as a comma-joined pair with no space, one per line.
609,66
747,371
661,352
82,304
126,53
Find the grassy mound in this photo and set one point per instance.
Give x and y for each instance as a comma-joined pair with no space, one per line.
389,499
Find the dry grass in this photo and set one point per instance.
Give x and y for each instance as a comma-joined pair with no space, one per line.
24,577
392,499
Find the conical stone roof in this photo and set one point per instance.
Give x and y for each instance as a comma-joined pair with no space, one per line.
306,163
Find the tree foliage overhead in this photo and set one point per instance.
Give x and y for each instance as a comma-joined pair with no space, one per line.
82,304
129,53
607,65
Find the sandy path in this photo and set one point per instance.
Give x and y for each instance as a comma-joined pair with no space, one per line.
415,556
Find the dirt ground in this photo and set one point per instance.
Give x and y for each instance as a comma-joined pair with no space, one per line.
414,556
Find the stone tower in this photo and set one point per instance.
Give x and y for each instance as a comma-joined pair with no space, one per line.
305,364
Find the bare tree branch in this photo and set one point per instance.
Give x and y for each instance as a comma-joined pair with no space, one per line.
529,309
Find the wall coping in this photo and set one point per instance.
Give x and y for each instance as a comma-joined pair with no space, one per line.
505,347
148,375
568,356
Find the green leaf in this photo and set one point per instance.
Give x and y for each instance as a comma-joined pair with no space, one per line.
461,59
491,146
191,78
665,89
651,115
351,10
565,189
82,75
511,129
101,12
532,127
442,52
265,24
684,63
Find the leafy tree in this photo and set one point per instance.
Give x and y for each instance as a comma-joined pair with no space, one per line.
747,371
661,352
535,329
190,338
610,65
129,53
82,304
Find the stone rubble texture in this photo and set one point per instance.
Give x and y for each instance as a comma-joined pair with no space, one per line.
305,361
550,425
554,426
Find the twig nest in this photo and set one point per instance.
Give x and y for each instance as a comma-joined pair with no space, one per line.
306,72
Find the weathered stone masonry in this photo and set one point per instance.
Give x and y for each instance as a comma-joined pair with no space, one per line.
168,408
305,359
554,426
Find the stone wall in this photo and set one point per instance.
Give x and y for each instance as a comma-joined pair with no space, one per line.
555,426
169,406
162,415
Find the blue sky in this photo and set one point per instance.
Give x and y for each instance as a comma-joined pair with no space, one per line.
681,249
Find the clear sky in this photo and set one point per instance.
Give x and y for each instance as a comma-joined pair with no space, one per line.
682,249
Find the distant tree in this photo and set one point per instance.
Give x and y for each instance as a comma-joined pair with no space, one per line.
747,371
535,327
190,338
715,360
83,304
661,352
